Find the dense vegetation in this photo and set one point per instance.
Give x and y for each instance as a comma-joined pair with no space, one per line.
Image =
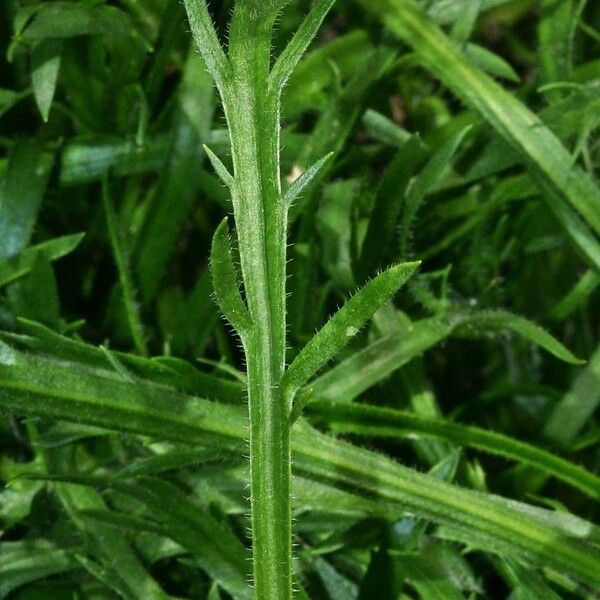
409,275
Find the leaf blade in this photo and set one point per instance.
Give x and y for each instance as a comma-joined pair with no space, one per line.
345,324
225,281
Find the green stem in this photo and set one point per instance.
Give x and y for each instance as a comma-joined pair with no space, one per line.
251,96
252,112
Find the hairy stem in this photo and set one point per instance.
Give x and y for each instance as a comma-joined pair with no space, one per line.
253,116
251,93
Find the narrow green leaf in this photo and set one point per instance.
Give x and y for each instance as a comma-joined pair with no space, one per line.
176,459
25,561
505,321
121,569
38,294
90,160
586,242
334,223
465,21
175,193
336,585
491,63
528,585
19,265
121,256
388,205
21,192
378,360
384,129
431,173
221,170
446,12
126,574
8,99
169,371
572,413
225,281
45,65
345,324
289,58
304,181
71,19
116,404
429,579
579,295
120,521
555,30
383,422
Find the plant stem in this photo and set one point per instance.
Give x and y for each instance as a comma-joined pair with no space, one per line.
251,96
252,112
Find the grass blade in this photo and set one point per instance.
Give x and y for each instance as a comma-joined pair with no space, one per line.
45,65
220,169
19,265
21,191
26,561
121,257
219,551
207,41
572,413
498,320
388,205
383,422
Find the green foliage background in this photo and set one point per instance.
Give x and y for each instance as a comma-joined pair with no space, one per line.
450,450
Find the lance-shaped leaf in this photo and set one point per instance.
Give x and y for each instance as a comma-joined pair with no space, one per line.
304,181
212,542
345,324
425,181
389,199
207,40
499,320
293,52
16,266
22,189
220,169
225,281
571,414
376,361
45,65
